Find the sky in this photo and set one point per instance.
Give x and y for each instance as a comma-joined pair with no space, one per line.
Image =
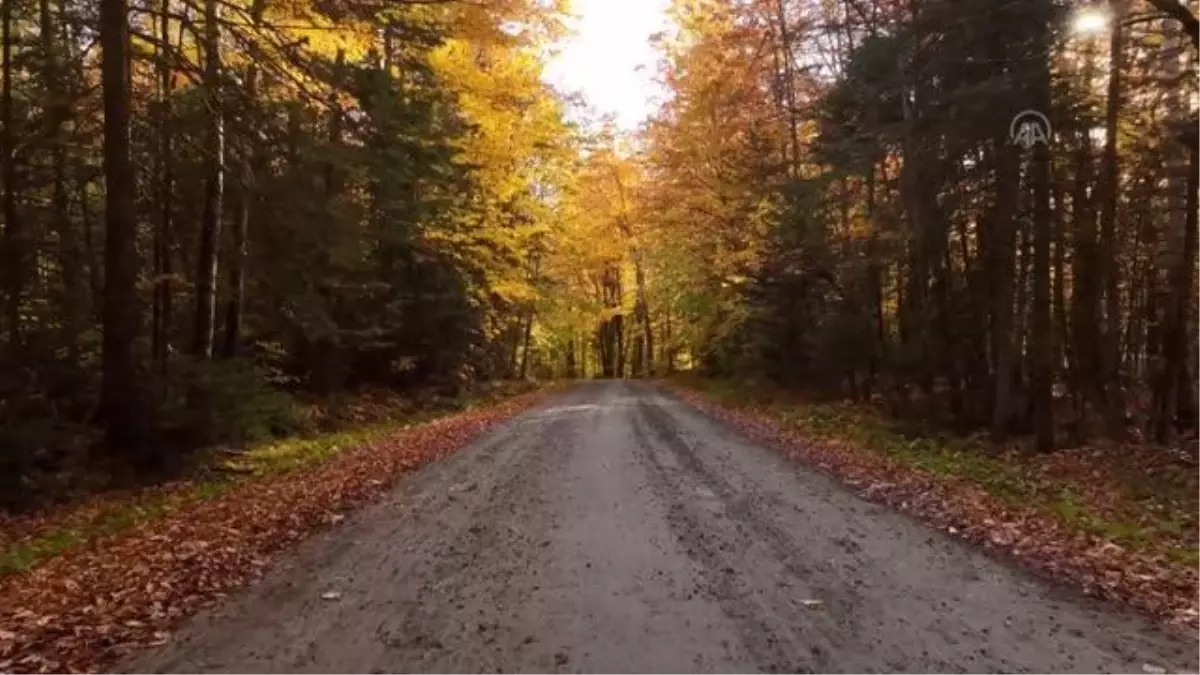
603,57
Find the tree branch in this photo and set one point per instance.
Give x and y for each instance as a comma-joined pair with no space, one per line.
1176,10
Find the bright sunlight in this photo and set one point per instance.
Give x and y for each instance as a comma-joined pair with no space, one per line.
609,58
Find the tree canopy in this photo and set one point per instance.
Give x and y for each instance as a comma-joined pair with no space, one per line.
210,204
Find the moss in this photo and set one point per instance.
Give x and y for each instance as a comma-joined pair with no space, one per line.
26,554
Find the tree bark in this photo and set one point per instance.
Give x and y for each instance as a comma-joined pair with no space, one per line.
14,254
1110,349
1085,280
161,321
529,315
789,86
1003,255
122,310
214,186
571,366
241,223
1041,341
57,110
1180,252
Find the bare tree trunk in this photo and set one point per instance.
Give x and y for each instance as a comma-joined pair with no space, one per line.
875,286
163,267
1059,290
789,85
95,284
1085,282
571,366
1003,255
241,223
14,258
1181,251
529,321
642,314
122,310
1109,188
669,345
56,113
525,339
333,184
619,330
1041,345
214,186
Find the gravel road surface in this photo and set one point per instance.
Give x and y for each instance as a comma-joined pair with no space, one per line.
616,529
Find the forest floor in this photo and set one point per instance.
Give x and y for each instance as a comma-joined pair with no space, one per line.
1119,521
82,580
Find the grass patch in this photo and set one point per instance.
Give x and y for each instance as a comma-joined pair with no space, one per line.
289,454
108,520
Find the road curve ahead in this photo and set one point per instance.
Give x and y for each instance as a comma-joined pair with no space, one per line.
615,529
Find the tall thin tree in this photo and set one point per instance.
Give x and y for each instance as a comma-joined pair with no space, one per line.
214,185
122,311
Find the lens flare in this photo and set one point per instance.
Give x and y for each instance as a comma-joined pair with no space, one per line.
1091,21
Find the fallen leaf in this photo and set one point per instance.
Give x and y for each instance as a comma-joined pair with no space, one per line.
129,588
1033,536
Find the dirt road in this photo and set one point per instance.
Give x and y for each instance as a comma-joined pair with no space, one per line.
616,529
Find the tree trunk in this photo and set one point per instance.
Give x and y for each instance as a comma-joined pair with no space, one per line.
1041,339
642,314
1003,254
1059,289
1086,286
668,340
333,184
571,367
525,344
1172,375
789,86
95,284
241,222
14,258
874,284
122,310
162,315
214,186
1109,188
1041,345
56,113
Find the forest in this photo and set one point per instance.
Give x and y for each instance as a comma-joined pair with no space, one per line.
212,208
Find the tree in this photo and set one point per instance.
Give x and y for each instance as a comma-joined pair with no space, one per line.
123,416
381,217
13,235
896,245
214,185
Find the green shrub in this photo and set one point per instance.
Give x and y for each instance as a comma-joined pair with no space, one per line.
229,401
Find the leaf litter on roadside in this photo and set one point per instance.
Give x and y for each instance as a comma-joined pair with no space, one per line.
83,610
1100,568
